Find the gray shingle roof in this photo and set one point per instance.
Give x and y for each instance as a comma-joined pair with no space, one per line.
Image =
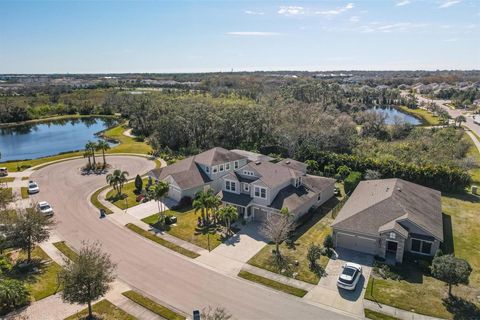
186,173
376,203
217,156
316,183
294,164
271,174
292,198
233,198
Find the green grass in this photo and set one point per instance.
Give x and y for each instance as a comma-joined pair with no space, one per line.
272,284
423,293
7,193
127,144
370,314
427,117
151,305
94,200
313,231
43,283
104,310
66,250
13,166
473,153
25,178
160,241
186,228
6,179
24,192
128,193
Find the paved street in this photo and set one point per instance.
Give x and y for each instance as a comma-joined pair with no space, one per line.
159,272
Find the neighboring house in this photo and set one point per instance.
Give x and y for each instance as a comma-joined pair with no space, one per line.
389,217
257,188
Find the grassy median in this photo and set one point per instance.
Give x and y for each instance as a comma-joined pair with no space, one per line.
272,284
66,250
151,305
370,314
104,310
94,200
160,241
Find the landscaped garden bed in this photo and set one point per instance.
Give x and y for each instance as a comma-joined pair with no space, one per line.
129,197
104,310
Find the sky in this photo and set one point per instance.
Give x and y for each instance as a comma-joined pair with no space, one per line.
209,36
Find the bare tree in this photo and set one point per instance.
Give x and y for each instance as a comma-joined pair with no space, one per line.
218,313
278,228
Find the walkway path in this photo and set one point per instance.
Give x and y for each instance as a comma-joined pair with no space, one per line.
395,312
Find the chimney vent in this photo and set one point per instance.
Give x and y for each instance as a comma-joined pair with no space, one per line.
257,162
287,162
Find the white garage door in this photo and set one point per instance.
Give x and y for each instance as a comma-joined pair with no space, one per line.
174,193
357,243
259,215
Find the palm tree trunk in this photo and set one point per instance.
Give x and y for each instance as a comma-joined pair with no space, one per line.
449,290
104,161
93,156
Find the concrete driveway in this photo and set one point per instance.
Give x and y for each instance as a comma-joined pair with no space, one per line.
327,292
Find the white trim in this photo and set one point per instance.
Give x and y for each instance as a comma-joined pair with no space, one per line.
246,187
231,183
259,192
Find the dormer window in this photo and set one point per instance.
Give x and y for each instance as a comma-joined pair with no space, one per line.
207,169
248,173
227,166
214,169
235,165
230,185
221,168
260,192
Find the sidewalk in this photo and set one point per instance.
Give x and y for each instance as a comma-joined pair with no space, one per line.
395,312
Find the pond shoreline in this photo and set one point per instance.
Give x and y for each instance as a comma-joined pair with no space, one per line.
54,118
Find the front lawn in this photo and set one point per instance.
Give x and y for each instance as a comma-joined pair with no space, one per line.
186,228
474,154
425,294
66,250
43,282
128,194
127,144
374,315
272,283
313,231
151,305
6,179
104,310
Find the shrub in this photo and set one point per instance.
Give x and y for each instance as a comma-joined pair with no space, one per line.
328,244
313,254
343,171
138,184
352,181
13,294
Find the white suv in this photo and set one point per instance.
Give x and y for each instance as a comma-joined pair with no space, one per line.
45,208
350,275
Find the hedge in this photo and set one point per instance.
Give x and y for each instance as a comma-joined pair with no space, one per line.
441,178
351,181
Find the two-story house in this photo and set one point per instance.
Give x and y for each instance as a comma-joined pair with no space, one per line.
258,188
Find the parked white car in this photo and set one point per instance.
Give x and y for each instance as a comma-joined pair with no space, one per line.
45,208
350,276
476,119
33,187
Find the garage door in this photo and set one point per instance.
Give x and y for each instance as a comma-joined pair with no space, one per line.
174,193
259,214
357,243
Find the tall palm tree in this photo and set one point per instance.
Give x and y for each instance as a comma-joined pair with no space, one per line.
90,145
117,179
88,154
103,146
460,119
200,203
228,214
159,190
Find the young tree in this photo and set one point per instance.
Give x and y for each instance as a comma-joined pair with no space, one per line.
138,184
328,244
215,314
228,214
159,190
452,270
103,146
87,278
31,227
117,179
313,254
459,119
278,228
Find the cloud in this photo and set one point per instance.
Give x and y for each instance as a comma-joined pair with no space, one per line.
394,27
403,3
354,19
449,3
252,33
254,13
337,11
291,10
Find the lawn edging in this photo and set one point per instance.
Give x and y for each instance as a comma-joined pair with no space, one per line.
103,308
153,306
375,315
272,283
161,241
94,200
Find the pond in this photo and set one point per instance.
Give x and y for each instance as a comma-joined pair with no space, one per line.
392,114
36,140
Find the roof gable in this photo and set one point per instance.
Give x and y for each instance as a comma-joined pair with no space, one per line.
216,156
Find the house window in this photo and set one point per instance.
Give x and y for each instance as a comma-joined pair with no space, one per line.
227,166
248,173
207,169
235,165
421,246
319,197
392,235
221,168
214,169
260,192
246,187
298,182
230,185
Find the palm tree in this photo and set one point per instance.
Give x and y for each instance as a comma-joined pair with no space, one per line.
159,190
88,154
90,145
228,214
104,146
460,119
117,179
200,203
205,201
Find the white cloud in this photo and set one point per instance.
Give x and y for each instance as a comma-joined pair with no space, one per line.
291,10
449,3
394,27
337,11
252,33
354,19
254,13
403,3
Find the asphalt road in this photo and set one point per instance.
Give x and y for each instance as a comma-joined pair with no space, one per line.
157,271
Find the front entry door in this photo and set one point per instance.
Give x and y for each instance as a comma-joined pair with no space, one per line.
392,246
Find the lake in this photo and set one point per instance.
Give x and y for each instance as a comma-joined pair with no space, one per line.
42,139
393,113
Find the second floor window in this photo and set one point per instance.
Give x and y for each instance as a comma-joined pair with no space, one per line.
227,166
246,187
221,167
230,185
214,169
235,165
260,192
